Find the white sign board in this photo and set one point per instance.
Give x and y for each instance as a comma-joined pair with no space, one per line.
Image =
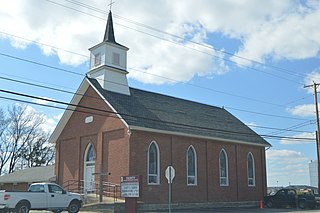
170,173
130,186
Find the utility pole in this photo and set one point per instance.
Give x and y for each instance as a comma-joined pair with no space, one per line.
314,85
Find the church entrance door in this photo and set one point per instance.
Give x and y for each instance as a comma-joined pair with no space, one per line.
89,169
89,178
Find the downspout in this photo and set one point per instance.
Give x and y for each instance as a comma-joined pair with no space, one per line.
129,152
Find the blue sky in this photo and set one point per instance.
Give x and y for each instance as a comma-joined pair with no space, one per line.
251,57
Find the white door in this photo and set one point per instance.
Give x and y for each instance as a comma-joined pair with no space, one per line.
89,178
56,197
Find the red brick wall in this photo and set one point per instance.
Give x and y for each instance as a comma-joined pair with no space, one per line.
173,151
116,152
68,163
139,144
122,154
107,133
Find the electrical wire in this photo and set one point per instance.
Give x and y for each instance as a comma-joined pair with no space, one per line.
181,44
148,73
83,75
94,97
287,71
93,110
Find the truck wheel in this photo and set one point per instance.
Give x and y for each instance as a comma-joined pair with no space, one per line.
22,207
74,207
269,204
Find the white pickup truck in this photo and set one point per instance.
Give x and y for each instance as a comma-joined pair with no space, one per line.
40,196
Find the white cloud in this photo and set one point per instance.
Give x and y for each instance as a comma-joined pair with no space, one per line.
49,124
312,77
41,101
304,110
276,29
304,138
290,36
281,154
286,166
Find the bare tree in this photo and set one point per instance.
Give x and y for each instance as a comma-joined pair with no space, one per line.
25,139
4,145
38,152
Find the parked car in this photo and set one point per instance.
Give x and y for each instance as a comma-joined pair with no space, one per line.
290,197
40,196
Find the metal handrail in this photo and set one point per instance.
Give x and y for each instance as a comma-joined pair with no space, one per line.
108,189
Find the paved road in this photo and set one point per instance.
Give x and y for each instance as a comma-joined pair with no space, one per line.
220,210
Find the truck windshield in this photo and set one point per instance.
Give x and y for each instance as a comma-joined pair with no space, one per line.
36,188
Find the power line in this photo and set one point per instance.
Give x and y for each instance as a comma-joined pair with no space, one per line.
282,130
287,71
306,123
79,74
265,114
84,95
186,46
94,110
43,44
194,85
41,64
217,91
160,76
173,80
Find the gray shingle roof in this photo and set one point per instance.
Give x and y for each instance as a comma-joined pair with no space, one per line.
161,112
30,175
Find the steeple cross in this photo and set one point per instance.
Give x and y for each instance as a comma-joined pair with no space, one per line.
111,3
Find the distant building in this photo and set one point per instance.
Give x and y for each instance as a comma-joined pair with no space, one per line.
21,179
117,130
303,188
313,171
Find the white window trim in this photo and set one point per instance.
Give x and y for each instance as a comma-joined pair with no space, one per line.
195,169
158,164
253,172
227,169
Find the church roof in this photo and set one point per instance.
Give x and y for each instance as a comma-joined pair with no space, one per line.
153,111
30,175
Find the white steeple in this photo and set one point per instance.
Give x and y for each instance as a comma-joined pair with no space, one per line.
108,62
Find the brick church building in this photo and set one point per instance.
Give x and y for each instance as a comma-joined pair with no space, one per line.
112,128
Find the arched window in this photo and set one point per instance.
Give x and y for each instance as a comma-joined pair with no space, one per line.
191,166
223,168
90,154
251,170
153,164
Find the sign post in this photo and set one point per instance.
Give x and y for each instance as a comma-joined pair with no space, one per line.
101,174
170,174
130,190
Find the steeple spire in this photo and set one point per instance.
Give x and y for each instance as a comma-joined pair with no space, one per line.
108,62
109,33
